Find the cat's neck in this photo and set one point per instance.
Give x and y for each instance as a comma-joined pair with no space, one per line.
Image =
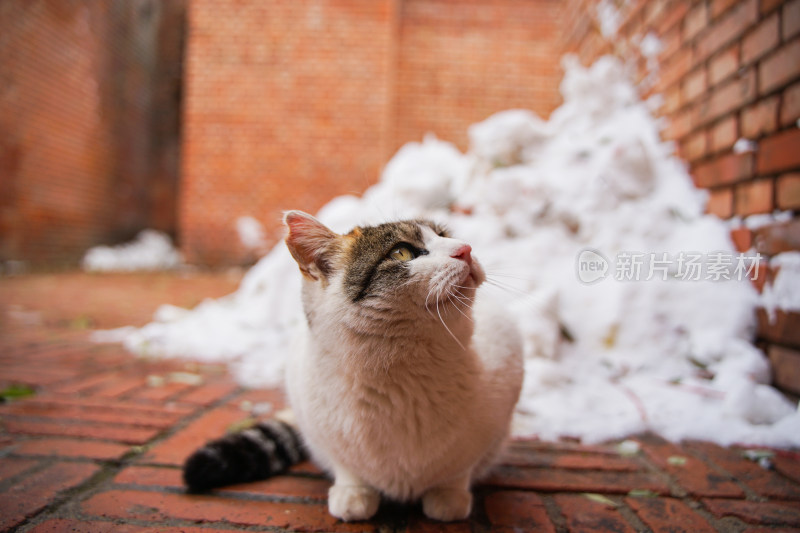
368,346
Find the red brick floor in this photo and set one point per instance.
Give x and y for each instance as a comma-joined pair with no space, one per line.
99,444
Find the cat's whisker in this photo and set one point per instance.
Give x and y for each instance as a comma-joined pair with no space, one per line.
438,312
492,278
430,291
459,300
463,313
452,297
494,273
464,299
467,300
506,287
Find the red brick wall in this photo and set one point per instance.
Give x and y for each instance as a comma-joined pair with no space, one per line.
284,109
461,61
82,84
729,70
291,103
54,157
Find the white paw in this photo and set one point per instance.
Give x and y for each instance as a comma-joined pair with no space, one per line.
447,504
353,503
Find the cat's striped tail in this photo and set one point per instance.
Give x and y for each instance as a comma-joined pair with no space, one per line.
261,451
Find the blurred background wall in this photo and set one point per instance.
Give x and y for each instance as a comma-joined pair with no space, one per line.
184,115
90,96
290,103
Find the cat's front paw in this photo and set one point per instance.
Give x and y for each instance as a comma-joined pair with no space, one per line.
447,504
352,503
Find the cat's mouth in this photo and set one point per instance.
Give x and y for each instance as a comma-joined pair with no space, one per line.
473,276
465,278
469,279
455,285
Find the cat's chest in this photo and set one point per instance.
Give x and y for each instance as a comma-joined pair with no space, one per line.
424,424
403,403
415,402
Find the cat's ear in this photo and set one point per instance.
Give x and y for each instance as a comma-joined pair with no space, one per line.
311,243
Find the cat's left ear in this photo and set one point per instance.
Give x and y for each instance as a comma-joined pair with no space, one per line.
311,244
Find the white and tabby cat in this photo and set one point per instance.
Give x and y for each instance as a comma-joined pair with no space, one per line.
398,388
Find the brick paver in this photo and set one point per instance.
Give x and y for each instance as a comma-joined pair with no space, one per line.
98,447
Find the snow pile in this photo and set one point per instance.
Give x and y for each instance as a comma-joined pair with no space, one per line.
251,233
634,350
755,222
608,18
650,46
150,250
784,291
744,146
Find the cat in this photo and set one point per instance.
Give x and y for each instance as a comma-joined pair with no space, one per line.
398,387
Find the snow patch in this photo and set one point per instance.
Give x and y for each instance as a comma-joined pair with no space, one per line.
150,250
251,233
608,17
754,222
603,360
784,292
650,46
744,146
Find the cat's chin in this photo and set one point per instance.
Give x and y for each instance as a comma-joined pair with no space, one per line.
460,295
469,280
459,298
473,277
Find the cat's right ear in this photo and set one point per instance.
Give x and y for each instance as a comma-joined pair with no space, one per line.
311,244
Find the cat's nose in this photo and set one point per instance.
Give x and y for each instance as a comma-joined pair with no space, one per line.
463,252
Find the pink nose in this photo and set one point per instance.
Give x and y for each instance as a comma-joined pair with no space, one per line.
463,252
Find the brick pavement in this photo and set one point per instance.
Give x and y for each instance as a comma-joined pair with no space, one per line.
99,444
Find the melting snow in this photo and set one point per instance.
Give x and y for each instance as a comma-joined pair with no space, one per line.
784,291
150,250
609,18
743,146
755,222
604,359
251,233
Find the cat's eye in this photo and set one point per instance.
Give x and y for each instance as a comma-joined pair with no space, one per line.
403,252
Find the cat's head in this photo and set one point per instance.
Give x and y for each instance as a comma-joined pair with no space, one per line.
398,268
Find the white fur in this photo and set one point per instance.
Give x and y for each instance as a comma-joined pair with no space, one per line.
412,400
